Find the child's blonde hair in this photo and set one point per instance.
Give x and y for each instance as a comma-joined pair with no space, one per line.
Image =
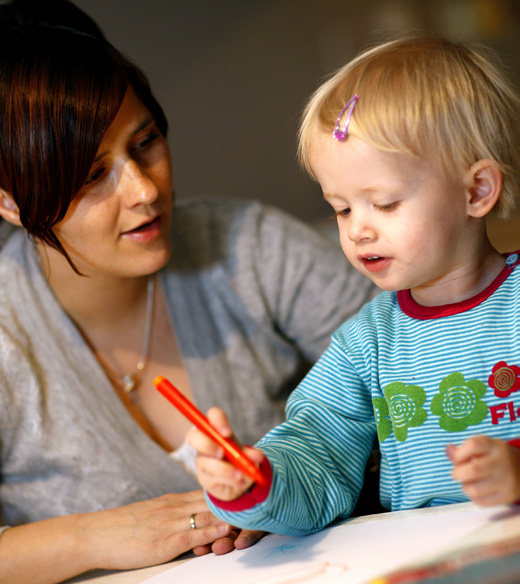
426,97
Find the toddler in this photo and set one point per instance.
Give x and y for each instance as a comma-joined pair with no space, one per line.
414,144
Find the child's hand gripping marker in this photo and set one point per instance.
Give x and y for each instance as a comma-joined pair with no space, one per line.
232,452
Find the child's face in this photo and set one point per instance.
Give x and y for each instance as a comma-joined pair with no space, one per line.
402,222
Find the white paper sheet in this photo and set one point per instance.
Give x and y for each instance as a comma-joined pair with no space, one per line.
351,553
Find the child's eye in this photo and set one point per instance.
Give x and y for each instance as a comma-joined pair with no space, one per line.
388,207
341,213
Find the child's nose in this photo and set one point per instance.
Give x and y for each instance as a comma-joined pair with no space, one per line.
360,229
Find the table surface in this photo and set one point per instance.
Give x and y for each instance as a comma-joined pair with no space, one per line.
141,575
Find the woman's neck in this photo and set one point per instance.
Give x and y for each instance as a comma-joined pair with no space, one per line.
94,299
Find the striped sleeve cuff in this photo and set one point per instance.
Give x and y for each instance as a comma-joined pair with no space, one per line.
256,494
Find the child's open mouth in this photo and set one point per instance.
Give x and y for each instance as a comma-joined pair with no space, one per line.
375,263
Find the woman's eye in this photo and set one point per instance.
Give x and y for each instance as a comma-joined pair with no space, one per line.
96,175
148,140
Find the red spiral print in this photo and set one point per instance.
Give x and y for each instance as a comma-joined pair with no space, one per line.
504,379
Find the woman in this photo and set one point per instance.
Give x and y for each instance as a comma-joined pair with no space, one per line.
106,286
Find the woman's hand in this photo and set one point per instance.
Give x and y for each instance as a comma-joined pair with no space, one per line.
134,536
488,470
152,532
220,478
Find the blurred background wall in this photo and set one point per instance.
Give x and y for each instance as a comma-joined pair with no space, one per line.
233,76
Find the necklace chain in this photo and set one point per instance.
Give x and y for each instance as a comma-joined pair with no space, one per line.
129,381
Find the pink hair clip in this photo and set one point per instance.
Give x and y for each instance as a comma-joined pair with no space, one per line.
340,132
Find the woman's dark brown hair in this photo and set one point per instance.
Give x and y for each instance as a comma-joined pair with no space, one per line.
61,85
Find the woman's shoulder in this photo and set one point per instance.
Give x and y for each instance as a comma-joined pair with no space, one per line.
262,226
217,216
210,228
21,291
205,231
13,251
6,230
211,211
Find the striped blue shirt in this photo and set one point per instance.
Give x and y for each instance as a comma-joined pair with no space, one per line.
416,378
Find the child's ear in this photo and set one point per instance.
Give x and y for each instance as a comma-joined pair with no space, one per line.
483,185
9,209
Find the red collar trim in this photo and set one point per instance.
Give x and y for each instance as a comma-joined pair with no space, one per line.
414,310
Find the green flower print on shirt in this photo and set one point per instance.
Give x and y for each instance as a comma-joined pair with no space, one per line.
458,403
384,425
404,407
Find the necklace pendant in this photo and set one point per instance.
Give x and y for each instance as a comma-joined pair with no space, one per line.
128,383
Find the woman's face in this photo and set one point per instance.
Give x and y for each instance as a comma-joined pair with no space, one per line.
119,223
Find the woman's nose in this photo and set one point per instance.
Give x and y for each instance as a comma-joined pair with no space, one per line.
139,188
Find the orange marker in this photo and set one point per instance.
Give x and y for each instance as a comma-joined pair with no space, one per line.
232,452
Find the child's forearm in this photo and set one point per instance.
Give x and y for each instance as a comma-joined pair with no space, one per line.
302,497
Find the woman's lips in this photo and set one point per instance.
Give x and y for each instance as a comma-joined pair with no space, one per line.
146,232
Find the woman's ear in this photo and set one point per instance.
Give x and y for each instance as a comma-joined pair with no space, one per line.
483,185
9,209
